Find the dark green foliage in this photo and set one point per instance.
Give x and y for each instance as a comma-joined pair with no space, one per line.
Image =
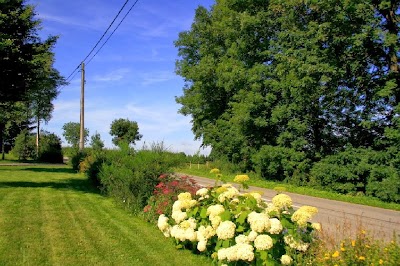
76,157
124,130
279,85
24,147
360,171
96,143
130,176
71,133
282,164
50,148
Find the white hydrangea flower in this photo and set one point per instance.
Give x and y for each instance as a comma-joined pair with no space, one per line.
240,239
226,230
282,201
162,222
259,222
177,206
179,216
263,242
286,260
298,245
215,221
276,226
252,236
245,252
202,246
202,192
215,210
184,196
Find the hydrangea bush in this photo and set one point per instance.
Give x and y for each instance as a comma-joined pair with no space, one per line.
239,228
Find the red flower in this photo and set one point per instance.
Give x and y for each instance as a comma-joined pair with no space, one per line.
167,191
163,176
174,183
147,208
160,185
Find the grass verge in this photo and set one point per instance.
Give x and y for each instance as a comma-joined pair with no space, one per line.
52,216
204,171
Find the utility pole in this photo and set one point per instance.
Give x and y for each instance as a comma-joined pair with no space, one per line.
82,118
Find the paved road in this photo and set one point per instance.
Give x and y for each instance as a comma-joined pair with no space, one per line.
339,219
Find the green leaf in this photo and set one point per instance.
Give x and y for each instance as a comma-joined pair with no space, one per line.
203,213
242,217
225,216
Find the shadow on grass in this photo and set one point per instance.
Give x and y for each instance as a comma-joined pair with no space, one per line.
77,184
50,170
82,185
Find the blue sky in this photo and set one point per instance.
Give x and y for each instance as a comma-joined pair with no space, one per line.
132,77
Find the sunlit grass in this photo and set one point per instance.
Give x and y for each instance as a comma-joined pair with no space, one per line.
204,171
50,215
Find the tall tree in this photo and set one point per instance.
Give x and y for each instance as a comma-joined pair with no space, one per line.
124,130
71,133
312,76
26,62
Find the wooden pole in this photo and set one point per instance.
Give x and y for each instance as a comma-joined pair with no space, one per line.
82,118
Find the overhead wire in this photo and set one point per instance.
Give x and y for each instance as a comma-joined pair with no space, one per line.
73,73
104,34
127,13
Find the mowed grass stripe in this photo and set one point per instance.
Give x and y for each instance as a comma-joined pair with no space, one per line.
70,242
21,229
143,234
50,216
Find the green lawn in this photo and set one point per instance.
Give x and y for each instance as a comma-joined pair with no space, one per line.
52,216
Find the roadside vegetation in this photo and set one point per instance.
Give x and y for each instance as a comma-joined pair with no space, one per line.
204,170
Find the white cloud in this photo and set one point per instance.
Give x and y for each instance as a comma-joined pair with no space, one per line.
157,77
73,21
114,75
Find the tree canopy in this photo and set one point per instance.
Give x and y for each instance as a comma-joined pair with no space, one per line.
124,130
27,75
312,77
71,133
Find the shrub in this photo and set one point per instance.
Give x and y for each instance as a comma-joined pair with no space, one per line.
24,146
166,193
50,148
77,157
239,229
360,171
91,166
131,176
281,163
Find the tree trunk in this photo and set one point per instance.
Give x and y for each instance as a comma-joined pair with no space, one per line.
2,141
37,137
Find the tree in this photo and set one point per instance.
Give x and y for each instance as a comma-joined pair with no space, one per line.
124,130
27,75
309,76
24,147
71,133
41,99
96,142
22,53
51,150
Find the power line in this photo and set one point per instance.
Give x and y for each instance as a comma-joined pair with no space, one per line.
73,73
67,79
104,34
127,13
